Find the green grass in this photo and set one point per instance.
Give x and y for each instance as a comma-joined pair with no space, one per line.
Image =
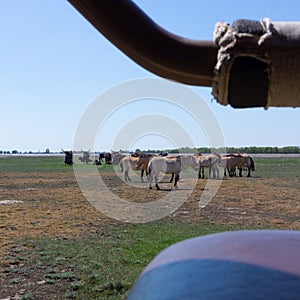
265,167
30,164
100,267
277,167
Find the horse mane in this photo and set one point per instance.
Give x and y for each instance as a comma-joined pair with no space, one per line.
233,155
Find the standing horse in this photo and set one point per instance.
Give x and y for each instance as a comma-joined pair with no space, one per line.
164,165
131,162
210,161
187,161
170,165
128,163
142,163
232,161
248,164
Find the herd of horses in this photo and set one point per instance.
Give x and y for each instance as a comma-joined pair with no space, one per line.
152,165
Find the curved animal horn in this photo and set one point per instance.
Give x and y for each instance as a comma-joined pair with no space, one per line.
161,52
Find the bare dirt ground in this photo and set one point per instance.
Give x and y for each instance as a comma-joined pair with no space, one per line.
54,206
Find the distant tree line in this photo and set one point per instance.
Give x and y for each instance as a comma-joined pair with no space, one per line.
250,149
47,151
265,150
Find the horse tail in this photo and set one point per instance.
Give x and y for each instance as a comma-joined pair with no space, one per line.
149,168
252,164
121,166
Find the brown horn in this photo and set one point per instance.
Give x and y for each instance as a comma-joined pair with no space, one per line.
159,51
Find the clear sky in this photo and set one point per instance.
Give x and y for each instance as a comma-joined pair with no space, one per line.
53,64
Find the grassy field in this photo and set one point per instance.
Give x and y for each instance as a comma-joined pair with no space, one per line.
100,263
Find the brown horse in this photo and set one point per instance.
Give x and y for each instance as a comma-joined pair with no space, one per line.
232,161
142,163
133,162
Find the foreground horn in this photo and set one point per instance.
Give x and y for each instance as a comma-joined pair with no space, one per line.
249,64
157,50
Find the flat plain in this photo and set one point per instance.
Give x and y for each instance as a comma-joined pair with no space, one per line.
56,245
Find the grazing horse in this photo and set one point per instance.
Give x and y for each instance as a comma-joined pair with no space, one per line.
232,161
210,161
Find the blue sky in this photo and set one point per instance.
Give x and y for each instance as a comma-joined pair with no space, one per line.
53,64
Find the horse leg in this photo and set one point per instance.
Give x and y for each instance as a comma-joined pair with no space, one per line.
199,173
240,171
127,176
249,169
142,174
150,178
214,172
156,182
172,177
176,180
234,172
202,172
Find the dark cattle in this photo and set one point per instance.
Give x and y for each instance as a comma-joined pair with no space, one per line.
163,154
97,162
68,157
85,158
106,156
